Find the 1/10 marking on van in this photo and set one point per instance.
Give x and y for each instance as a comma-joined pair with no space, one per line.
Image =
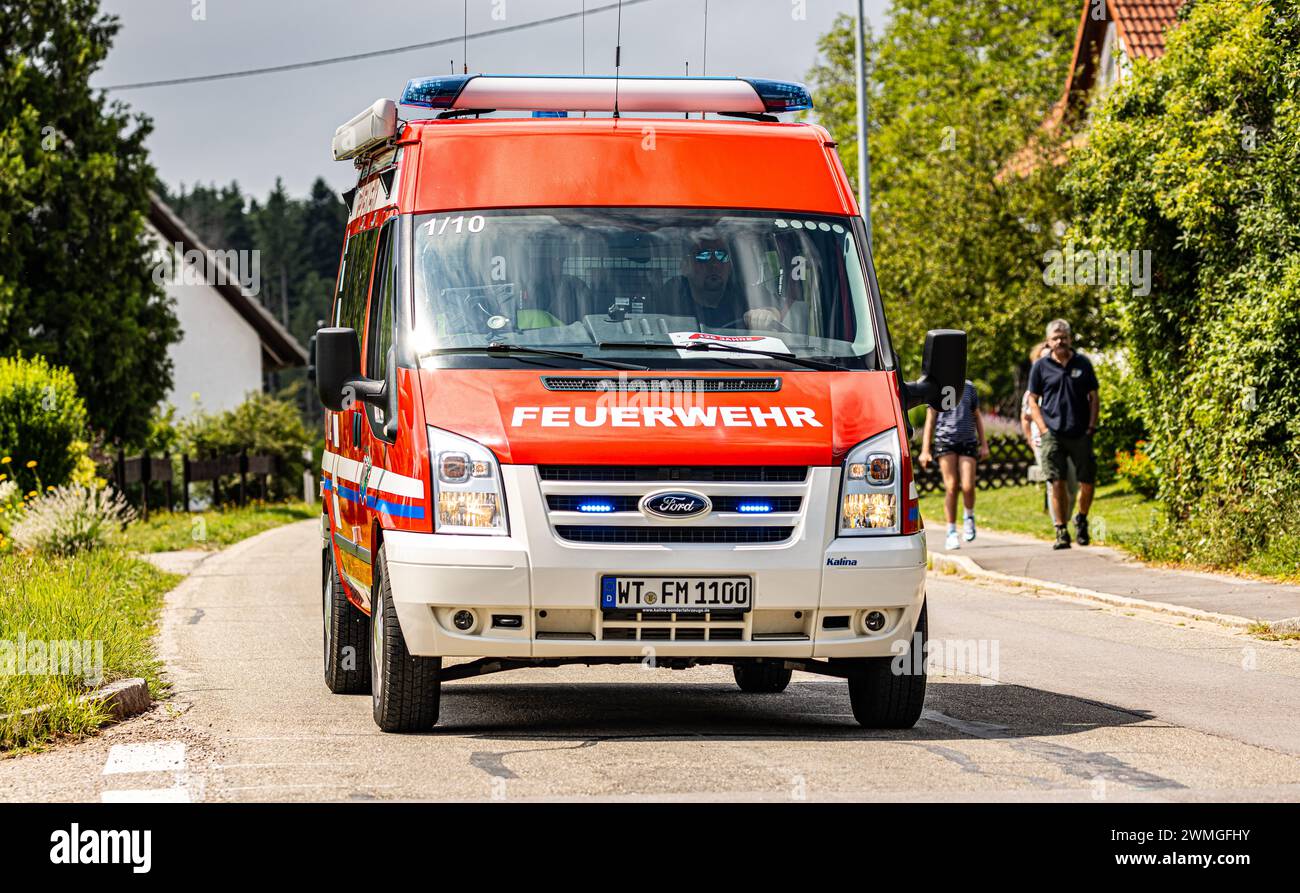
437,226
679,594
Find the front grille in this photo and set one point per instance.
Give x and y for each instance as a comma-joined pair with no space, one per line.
661,384
676,534
566,503
671,474
649,626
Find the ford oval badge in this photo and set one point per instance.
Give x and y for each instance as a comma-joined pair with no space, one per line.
676,504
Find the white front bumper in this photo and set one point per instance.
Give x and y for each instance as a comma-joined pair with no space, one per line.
553,585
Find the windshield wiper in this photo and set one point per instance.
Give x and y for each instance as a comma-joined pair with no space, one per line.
517,349
711,346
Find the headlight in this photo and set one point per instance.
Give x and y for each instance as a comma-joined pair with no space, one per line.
467,492
869,495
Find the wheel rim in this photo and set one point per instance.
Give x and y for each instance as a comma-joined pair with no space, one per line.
376,644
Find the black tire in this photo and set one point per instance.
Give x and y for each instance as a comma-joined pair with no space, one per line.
762,677
883,699
404,690
346,635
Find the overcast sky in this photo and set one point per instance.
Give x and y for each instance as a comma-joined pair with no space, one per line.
255,129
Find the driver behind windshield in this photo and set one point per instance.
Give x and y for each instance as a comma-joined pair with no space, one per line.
709,290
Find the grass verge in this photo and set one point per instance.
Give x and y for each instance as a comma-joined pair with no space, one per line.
1119,517
171,531
1265,631
68,625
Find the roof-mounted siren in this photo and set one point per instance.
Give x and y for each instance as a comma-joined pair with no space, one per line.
374,127
745,96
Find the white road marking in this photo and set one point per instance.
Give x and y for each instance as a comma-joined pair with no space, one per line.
143,795
166,757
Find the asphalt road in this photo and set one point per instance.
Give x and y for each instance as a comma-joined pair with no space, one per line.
1072,701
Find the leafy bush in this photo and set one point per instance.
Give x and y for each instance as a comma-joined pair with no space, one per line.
42,421
1137,468
1119,425
1195,158
262,425
71,519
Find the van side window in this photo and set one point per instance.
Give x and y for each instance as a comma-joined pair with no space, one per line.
380,334
350,311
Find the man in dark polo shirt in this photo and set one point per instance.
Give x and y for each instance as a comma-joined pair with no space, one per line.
1063,402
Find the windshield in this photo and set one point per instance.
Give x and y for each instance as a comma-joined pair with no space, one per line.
659,287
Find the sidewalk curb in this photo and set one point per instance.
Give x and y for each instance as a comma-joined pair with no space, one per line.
943,563
123,698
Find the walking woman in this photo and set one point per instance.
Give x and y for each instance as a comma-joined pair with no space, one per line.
956,438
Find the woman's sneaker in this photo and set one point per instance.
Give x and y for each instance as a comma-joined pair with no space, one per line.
969,533
953,542
1062,538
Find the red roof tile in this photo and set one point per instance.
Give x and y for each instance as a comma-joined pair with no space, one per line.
1142,24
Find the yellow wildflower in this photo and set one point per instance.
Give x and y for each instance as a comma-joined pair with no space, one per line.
31,463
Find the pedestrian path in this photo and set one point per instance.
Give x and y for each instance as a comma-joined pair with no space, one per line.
1110,571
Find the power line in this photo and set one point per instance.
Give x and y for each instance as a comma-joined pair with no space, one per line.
334,60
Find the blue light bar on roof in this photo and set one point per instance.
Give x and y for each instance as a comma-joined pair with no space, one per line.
550,93
435,93
782,96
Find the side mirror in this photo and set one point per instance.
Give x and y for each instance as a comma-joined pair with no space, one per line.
339,381
943,371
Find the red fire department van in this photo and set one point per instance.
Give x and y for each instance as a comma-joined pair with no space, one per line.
614,389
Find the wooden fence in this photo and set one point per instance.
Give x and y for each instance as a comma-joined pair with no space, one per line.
1007,466
144,478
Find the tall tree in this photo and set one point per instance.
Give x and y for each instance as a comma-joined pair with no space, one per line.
76,280
957,90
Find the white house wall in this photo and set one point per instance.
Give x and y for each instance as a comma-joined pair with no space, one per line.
218,360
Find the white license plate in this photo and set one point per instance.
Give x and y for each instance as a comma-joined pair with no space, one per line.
681,594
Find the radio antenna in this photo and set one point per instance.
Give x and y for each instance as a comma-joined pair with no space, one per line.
704,69
584,36
464,42
618,54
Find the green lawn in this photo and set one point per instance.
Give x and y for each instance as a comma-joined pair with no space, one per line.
95,613
171,531
1119,517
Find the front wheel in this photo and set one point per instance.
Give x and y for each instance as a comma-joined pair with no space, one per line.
405,690
346,634
889,692
762,677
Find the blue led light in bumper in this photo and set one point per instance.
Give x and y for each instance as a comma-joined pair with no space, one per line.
435,93
782,96
754,508
595,507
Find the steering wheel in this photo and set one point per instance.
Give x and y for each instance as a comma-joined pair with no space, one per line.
739,323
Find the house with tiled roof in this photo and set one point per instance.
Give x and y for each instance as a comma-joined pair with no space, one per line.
230,344
1112,33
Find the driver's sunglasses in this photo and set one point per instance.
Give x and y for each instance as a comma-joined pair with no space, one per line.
718,254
